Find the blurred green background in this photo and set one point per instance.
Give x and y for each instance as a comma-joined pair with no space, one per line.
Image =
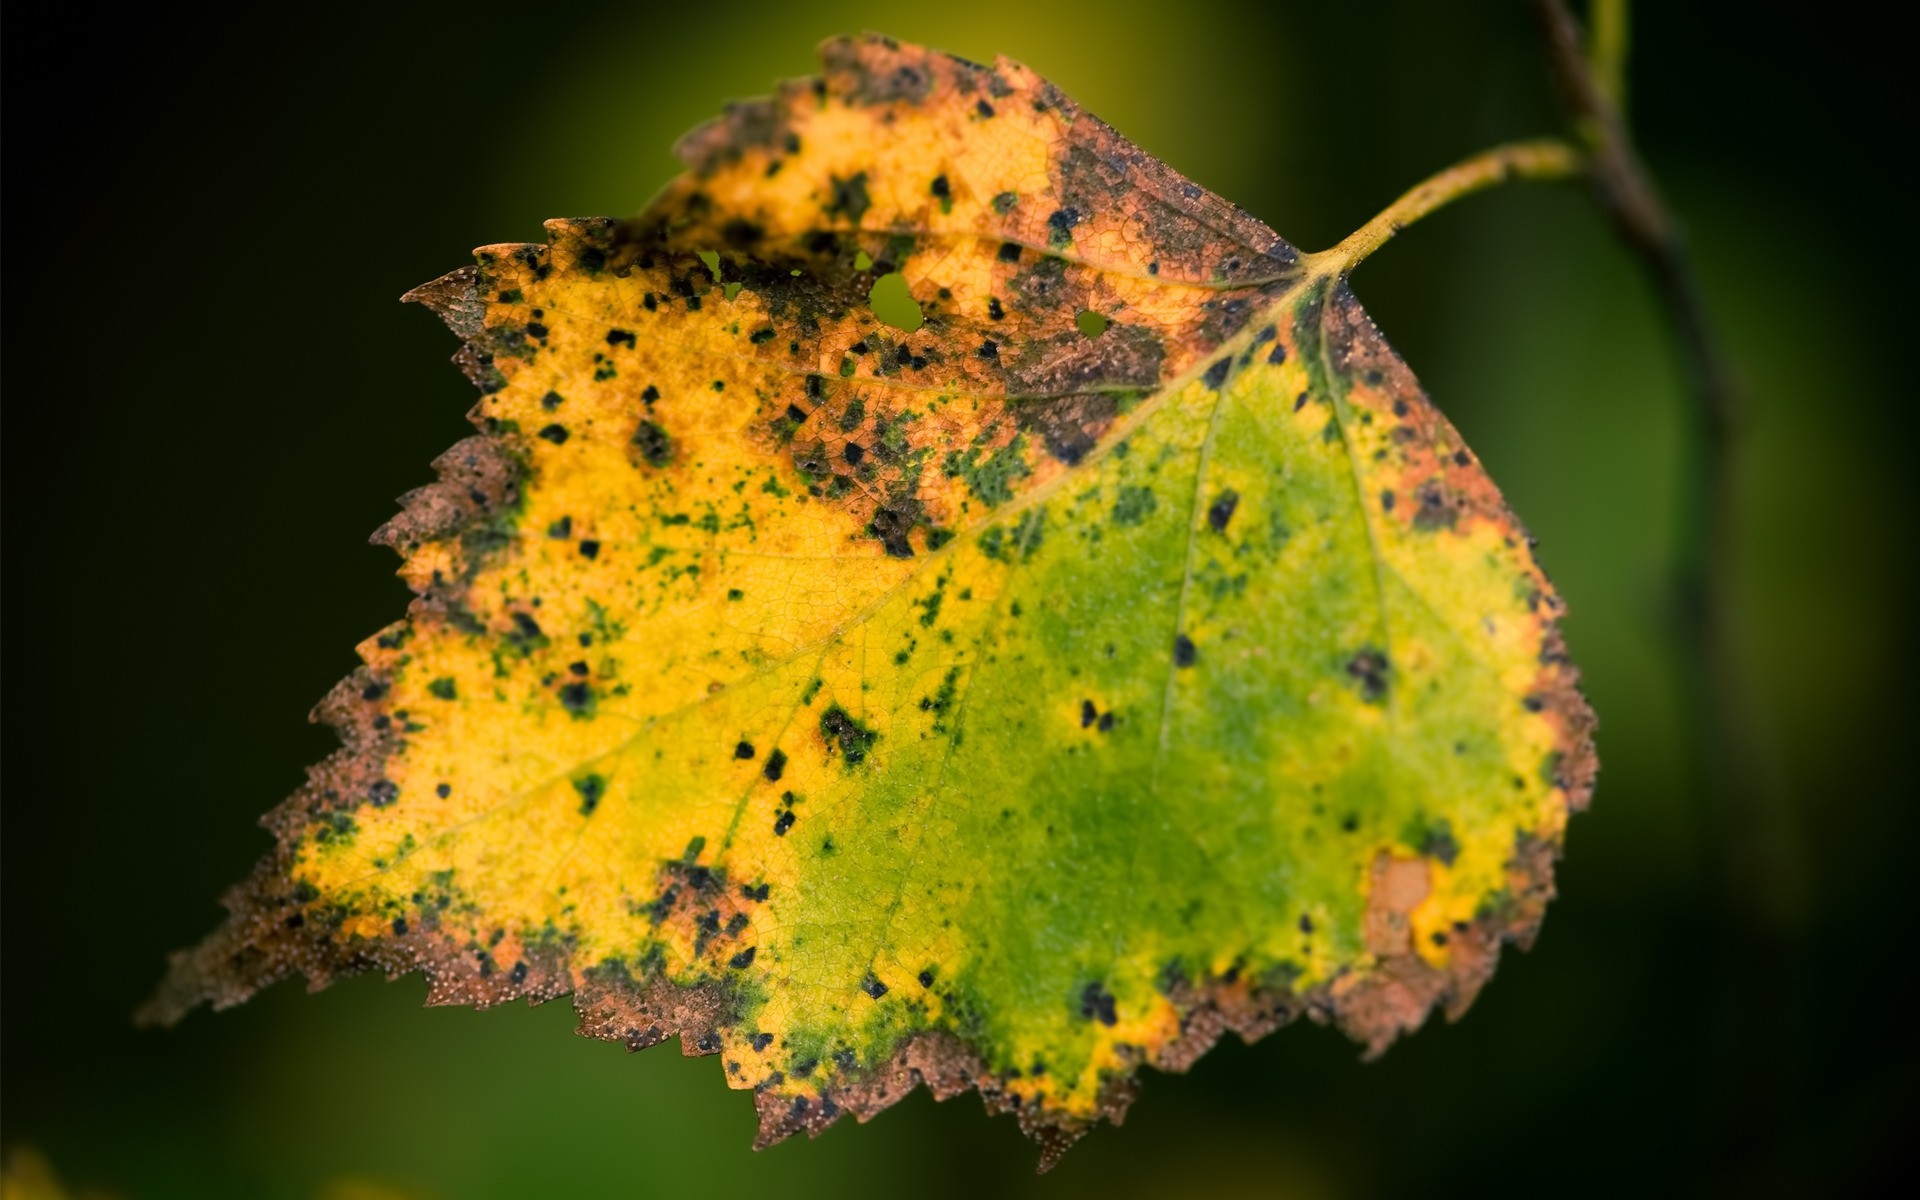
212,395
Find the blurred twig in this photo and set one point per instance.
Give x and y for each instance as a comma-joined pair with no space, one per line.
1731,760
1748,839
1607,50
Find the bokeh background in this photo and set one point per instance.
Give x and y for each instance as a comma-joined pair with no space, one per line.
212,395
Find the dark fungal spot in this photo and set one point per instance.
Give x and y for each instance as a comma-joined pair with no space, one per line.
1217,373
577,698
1221,510
400,927
650,395
761,336
382,792
743,750
1434,511
1300,402
989,350
1097,1004
872,986
578,668
1386,500
742,960
1009,252
853,738
850,197
1003,202
783,822
374,691
891,526
557,434
617,337
776,764
752,892
443,790
561,529
654,444
741,234
1106,722
1088,713
1306,923
993,308
589,548
442,689
1060,227
536,330
1440,843
519,973
941,188
552,400
591,789
1184,652
853,454
1133,505
1369,668
760,1041
983,108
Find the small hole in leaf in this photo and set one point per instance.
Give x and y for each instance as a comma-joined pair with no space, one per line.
893,304
712,259
733,289
862,261
1091,323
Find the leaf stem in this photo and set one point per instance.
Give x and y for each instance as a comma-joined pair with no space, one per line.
1543,159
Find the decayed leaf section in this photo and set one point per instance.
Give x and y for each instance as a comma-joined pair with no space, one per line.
1007,704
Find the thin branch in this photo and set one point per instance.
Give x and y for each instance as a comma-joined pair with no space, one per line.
1546,159
1759,859
1607,55
1630,200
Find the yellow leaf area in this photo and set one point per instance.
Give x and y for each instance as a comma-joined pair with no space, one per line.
1126,654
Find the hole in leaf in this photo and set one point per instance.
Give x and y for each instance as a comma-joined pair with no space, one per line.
893,304
1091,323
733,289
712,259
862,260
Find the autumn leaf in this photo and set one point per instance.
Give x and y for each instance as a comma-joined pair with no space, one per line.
938,598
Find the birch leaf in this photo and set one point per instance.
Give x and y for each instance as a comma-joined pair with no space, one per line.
939,599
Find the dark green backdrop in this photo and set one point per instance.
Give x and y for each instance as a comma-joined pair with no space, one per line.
211,396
